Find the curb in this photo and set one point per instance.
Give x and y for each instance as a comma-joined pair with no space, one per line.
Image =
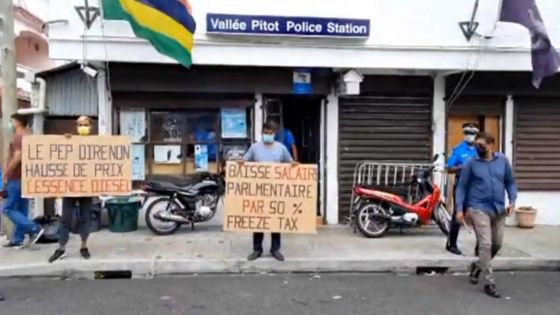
147,269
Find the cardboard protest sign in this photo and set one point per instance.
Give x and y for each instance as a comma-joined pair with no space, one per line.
267,197
80,166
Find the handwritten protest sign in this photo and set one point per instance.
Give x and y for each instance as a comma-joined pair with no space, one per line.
265,197
56,166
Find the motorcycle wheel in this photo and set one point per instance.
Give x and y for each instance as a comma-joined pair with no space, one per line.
368,226
443,219
157,226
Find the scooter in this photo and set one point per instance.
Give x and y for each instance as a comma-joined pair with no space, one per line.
377,209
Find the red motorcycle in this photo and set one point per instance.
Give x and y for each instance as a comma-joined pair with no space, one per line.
377,209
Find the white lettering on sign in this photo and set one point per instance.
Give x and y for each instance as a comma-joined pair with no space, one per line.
228,24
347,28
304,27
265,26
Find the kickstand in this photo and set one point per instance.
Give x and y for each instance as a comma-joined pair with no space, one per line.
192,226
401,229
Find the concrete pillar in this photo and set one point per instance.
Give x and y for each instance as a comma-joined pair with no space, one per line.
332,158
508,139
508,127
439,124
258,110
105,109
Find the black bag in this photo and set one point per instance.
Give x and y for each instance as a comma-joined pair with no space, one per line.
51,226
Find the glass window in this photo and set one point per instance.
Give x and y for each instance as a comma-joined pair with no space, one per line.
202,129
181,142
166,127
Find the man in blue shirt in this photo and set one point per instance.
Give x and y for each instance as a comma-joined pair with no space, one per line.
481,190
286,137
207,137
462,153
269,151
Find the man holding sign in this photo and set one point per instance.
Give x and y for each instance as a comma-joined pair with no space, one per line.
268,151
69,207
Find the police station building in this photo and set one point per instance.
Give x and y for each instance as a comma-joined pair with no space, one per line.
384,80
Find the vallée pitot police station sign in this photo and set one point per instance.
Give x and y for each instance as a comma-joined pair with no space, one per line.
286,26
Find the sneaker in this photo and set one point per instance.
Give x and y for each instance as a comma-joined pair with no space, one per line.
13,245
491,291
255,255
34,237
84,252
58,254
277,255
474,273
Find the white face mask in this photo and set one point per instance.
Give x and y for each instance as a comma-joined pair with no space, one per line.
470,138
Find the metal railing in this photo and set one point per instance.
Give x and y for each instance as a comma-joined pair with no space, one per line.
389,174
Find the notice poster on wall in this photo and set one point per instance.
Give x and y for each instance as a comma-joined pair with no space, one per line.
133,124
167,154
234,123
138,162
267,197
201,158
57,166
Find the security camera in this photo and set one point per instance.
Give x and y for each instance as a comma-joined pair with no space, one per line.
89,71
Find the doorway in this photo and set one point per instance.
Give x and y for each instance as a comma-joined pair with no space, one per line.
487,123
301,115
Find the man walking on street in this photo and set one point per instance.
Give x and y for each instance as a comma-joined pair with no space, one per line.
16,207
481,190
69,207
268,151
462,153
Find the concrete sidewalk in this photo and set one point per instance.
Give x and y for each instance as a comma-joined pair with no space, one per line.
333,249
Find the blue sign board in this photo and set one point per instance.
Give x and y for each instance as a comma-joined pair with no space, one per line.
286,26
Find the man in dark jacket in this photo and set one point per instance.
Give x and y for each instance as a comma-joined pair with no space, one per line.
481,190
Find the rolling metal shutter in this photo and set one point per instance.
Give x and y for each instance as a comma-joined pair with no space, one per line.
377,128
537,144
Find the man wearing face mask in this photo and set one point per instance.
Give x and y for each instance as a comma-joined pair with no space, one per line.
461,155
69,206
481,190
268,151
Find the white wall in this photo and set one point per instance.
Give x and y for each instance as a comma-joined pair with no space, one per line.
548,204
405,34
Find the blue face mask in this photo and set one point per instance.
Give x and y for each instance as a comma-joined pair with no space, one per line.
268,138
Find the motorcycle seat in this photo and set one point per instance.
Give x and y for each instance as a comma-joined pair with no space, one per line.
397,190
170,186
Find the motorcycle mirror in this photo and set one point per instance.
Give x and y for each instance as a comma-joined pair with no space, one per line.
435,158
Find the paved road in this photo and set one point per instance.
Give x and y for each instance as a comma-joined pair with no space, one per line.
528,293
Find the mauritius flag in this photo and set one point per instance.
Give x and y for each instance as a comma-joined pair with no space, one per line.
167,24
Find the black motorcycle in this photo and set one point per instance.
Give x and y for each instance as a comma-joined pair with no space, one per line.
188,203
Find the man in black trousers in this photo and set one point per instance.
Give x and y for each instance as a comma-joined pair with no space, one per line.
462,153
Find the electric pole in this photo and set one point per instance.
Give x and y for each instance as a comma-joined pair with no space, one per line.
8,76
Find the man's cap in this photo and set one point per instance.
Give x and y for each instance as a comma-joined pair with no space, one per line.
470,127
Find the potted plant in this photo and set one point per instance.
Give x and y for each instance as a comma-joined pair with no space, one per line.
526,217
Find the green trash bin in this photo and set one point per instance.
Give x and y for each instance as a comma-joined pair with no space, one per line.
123,214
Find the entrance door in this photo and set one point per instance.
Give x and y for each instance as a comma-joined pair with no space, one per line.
301,115
488,123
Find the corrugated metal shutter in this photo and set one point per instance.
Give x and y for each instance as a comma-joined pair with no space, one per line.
72,93
381,129
537,144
